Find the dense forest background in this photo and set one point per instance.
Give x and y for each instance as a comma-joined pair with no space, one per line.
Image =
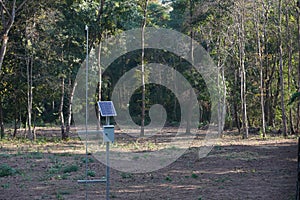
254,43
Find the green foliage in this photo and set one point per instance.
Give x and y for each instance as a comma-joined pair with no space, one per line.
125,175
35,155
6,170
70,168
295,97
53,41
59,196
91,173
90,160
194,175
5,185
168,178
4,155
53,170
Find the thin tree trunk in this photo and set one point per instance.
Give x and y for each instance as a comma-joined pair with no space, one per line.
61,106
221,101
7,25
242,69
1,120
290,54
99,86
15,121
29,98
259,51
267,102
3,49
175,89
189,114
223,109
235,106
143,67
281,70
99,83
69,115
298,69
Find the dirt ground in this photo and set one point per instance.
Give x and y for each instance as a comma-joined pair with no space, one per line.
234,169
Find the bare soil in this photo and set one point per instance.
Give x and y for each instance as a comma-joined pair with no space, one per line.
234,169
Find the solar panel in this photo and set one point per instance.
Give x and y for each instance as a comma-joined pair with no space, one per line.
107,108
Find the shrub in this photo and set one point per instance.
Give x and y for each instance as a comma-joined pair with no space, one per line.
91,173
70,168
6,170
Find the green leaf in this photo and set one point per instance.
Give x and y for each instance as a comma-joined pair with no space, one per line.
294,97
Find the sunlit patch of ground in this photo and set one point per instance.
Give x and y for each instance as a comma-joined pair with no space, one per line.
234,169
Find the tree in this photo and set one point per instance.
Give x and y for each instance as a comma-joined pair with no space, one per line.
8,10
99,85
281,67
298,68
71,48
289,44
144,22
240,20
260,63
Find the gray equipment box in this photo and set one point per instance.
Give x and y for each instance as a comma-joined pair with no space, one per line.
109,133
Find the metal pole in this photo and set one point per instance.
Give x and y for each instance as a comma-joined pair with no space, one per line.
107,121
86,106
298,172
107,164
107,170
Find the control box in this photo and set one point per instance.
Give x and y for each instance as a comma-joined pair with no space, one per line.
109,133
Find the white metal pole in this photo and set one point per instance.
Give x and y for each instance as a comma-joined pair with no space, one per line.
86,106
107,171
107,165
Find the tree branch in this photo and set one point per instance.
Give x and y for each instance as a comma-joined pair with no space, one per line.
20,6
100,10
5,9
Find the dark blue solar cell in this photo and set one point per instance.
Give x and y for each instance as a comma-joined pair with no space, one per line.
107,108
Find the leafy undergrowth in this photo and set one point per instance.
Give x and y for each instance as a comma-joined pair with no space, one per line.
6,170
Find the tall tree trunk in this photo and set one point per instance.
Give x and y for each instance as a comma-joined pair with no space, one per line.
144,22
61,108
235,103
290,54
15,114
1,120
271,99
298,69
267,103
281,70
241,32
189,114
221,90
219,100
259,51
223,109
29,98
175,89
3,49
69,113
99,85
7,23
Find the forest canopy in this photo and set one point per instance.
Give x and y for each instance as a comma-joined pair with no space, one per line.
255,45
